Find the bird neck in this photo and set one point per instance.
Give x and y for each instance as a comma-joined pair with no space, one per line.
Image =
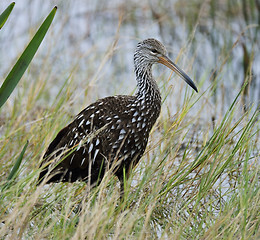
147,86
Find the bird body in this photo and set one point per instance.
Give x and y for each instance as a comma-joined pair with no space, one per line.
112,128
112,132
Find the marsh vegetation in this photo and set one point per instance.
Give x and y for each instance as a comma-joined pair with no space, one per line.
199,176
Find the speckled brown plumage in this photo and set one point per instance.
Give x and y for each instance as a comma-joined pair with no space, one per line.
113,131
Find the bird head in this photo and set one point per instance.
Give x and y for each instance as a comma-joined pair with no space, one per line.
152,51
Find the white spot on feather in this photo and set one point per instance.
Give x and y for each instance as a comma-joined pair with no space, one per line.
90,148
83,160
80,116
71,142
122,131
95,155
121,137
72,158
81,122
79,145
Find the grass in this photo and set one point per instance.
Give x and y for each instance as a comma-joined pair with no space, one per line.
199,176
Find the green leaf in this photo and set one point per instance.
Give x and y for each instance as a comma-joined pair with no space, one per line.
5,14
18,162
23,62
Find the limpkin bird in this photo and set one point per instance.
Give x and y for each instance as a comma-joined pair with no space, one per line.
112,132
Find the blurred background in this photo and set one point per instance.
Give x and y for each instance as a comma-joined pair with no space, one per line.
202,159
92,42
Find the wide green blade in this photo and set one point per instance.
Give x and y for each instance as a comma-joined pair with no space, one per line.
5,14
21,65
18,162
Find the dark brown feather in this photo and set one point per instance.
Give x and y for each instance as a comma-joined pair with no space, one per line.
111,129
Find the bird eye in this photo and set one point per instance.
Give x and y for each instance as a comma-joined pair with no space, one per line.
154,51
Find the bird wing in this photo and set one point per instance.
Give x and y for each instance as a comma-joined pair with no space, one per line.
88,139
77,131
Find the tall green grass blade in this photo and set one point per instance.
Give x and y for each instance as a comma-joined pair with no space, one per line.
5,14
23,62
15,168
17,163
213,146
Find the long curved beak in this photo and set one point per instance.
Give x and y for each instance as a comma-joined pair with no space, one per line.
168,63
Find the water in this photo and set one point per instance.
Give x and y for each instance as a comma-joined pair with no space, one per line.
82,32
